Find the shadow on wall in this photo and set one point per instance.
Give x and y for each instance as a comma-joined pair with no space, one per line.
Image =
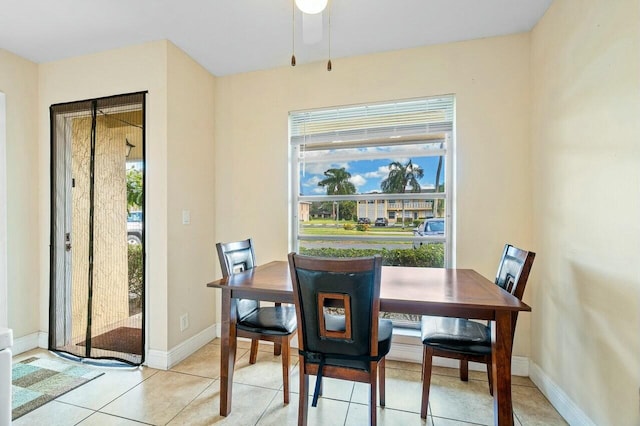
602,343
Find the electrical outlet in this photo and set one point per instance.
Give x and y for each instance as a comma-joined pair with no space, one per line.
184,322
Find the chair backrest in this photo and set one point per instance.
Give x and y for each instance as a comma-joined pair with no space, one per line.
236,257
513,273
353,284
514,268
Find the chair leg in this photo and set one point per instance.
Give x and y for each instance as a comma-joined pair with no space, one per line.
373,392
490,376
464,370
427,361
253,356
381,380
303,401
285,368
277,349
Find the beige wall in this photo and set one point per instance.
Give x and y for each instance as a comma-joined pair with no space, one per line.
126,70
190,186
19,81
586,167
180,175
491,81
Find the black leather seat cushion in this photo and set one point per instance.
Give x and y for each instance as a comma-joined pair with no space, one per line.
456,335
275,320
385,330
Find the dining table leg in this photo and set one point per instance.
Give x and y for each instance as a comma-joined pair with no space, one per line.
228,351
501,344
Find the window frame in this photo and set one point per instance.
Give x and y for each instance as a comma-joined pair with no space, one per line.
447,137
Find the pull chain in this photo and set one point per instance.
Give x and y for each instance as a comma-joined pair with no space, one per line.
329,62
293,33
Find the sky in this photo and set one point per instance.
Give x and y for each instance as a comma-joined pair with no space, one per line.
366,174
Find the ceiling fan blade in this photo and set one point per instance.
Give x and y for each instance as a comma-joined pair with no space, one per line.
311,28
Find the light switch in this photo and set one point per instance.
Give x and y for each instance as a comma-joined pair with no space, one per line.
186,217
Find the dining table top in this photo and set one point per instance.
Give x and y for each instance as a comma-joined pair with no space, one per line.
410,290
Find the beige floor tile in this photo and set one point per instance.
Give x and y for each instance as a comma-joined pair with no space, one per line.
242,342
532,408
101,419
480,376
266,372
189,395
359,415
331,388
268,346
159,398
404,365
205,362
54,413
328,412
455,372
440,421
403,389
40,353
466,401
522,381
248,404
106,388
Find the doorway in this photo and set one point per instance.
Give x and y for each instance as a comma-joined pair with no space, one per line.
97,205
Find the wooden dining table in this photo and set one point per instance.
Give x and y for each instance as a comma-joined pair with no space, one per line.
462,293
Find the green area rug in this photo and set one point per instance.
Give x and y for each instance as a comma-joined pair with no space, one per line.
37,381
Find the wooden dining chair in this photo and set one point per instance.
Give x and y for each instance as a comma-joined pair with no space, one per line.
468,340
275,324
352,346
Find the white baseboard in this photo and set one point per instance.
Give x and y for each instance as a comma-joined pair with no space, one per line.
558,398
163,360
39,339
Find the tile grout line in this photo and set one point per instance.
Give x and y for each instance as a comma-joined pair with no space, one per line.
114,415
123,393
275,395
191,401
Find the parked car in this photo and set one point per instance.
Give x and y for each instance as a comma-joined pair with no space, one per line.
134,227
430,227
381,221
364,220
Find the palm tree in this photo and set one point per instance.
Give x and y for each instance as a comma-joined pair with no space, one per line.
337,183
437,186
134,189
400,177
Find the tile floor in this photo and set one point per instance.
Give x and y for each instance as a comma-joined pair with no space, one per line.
188,394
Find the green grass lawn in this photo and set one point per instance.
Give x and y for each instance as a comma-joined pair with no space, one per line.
341,231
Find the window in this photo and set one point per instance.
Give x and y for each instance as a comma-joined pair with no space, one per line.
366,178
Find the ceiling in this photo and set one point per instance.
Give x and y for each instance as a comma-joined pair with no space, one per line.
234,36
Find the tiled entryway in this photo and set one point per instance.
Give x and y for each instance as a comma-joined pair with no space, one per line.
188,394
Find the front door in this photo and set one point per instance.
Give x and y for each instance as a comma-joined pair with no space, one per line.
97,267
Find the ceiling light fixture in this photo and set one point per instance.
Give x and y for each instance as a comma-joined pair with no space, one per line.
311,6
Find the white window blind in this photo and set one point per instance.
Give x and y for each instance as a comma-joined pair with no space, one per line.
371,122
